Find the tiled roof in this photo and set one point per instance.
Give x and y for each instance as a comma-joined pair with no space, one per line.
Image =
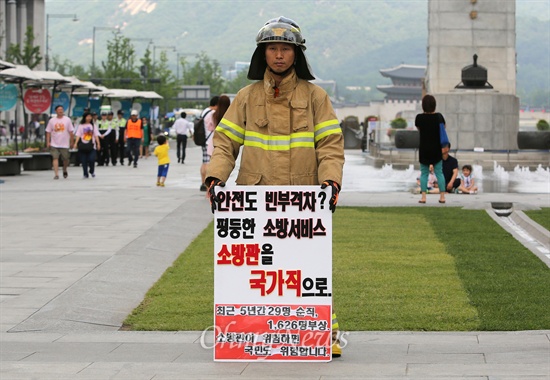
405,71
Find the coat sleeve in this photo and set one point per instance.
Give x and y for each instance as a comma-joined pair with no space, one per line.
329,140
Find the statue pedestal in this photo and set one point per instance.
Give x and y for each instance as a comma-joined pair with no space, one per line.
481,118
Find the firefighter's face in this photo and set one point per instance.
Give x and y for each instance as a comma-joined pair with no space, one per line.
279,56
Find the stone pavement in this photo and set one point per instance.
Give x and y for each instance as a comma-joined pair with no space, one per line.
76,256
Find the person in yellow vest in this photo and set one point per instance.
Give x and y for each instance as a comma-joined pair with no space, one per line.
134,134
112,140
104,126
283,126
121,136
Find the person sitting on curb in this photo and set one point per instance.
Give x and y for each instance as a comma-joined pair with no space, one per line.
450,170
467,183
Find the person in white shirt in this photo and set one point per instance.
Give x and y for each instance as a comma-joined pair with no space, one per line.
184,129
205,156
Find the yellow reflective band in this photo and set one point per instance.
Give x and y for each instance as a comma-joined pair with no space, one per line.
326,128
231,130
267,142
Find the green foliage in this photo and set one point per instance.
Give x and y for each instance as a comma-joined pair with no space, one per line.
68,68
120,63
167,86
28,54
542,125
428,273
240,81
205,71
8,150
398,123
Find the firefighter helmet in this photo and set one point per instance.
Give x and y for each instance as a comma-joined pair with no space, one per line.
280,29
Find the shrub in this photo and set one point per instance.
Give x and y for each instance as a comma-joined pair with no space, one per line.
398,123
542,125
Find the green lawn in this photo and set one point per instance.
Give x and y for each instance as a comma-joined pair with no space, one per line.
434,269
541,216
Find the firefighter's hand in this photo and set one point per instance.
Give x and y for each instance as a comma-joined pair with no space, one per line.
211,192
335,191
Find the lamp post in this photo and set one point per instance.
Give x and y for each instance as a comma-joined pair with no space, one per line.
48,16
173,48
93,43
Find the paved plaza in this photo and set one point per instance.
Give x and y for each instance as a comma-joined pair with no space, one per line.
78,255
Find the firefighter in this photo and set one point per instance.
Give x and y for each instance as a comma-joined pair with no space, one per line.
284,109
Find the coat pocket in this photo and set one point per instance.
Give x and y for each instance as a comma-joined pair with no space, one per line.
261,123
299,115
248,179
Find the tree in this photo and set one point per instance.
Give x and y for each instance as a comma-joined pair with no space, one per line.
167,87
240,81
205,71
146,68
28,54
67,67
120,63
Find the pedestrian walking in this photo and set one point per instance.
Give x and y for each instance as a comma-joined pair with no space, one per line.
134,134
184,130
87,143
59,138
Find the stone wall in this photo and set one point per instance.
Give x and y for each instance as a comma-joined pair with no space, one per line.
480,119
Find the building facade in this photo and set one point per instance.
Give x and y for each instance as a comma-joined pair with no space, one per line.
407,83
15,17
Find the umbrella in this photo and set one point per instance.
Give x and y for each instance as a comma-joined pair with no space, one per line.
18,75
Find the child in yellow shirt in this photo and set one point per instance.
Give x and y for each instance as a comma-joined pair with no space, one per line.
161,151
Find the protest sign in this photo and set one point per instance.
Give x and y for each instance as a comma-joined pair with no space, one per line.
272,274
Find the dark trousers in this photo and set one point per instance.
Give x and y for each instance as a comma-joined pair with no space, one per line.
181,144
133,149
113,147
103,153
87,160
120,145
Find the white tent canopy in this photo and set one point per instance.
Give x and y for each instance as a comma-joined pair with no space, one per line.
6,65
18,74
122,93
149,95
50,78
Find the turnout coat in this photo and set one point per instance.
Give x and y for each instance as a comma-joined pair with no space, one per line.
289,135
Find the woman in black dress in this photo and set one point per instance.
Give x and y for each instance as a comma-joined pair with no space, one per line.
427,124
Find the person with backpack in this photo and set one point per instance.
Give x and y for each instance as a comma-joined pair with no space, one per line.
201,128
134,133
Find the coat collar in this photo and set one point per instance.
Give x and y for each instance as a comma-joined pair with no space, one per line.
288,84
